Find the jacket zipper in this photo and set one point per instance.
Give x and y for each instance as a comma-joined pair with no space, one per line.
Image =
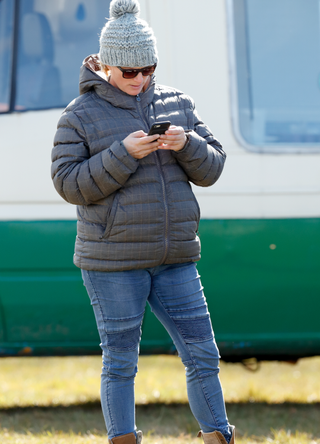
164,194
165,204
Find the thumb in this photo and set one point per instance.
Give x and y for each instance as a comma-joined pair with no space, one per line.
138,134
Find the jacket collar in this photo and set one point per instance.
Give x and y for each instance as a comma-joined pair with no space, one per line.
91,79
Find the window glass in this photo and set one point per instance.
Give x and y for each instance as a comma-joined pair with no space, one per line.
54,38
6,45
277,54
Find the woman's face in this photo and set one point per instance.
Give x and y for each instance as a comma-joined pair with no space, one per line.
130,86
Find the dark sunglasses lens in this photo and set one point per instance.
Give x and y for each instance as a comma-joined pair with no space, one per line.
129,74
148,71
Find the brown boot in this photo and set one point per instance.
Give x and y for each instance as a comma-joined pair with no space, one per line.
129,438
216,437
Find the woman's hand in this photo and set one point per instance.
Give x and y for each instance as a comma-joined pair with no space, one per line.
173,139
139,144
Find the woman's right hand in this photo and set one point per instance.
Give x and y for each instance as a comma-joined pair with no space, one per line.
139,144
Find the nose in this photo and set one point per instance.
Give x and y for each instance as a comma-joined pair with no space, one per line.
139,77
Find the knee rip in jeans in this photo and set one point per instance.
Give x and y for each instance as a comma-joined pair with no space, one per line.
196,329
124,340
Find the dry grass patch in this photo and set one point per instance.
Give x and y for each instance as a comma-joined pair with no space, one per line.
49,381
274,382
56,400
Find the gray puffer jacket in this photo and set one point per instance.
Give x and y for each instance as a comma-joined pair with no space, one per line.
131,213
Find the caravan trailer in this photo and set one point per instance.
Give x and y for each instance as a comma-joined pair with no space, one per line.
253,69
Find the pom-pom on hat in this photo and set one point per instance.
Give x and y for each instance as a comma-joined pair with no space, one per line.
126,40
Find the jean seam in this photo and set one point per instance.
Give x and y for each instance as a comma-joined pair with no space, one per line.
95,293
202,386
192,358
183,310
107,397
198,341
129,318
109,356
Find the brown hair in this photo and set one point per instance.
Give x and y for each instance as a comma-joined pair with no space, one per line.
105,69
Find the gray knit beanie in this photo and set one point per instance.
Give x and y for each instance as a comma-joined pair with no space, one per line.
125,39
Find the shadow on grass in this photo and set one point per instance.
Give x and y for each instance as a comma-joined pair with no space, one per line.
251,419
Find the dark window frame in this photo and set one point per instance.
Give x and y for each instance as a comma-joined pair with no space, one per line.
13,64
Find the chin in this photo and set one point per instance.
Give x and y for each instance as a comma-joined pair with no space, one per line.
134,92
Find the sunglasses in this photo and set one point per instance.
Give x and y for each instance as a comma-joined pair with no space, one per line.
132,73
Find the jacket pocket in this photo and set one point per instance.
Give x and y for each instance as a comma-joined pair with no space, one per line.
199,212
111,216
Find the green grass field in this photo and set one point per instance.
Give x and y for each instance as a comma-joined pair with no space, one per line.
56,400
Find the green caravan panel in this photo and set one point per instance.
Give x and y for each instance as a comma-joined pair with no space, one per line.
43,298
2,323
261,280
37,245
155,339
45,306
42,306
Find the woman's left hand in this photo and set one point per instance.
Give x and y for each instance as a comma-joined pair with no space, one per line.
173,139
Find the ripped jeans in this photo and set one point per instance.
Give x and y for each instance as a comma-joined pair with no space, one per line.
175,295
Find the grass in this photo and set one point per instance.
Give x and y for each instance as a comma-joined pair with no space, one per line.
56,400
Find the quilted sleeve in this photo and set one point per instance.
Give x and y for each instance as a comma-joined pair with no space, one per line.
82,179
202,158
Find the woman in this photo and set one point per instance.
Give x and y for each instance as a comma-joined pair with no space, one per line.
138,218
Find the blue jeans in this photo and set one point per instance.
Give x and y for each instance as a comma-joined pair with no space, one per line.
175,295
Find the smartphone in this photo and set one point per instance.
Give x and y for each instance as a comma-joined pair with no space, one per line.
159,128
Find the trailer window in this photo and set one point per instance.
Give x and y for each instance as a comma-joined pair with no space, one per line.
276,47
52,40
6,49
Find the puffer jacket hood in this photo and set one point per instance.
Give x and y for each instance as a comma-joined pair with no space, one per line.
92,79
89,74
131,213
